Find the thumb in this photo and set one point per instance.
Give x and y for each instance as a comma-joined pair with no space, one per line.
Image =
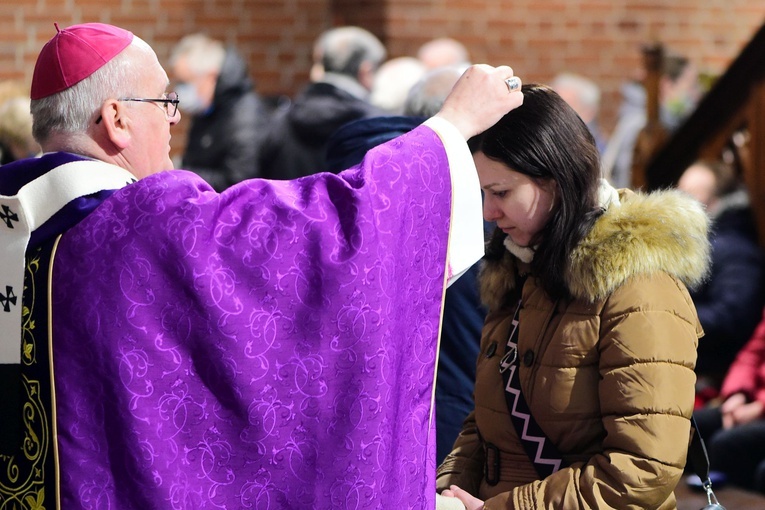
470,502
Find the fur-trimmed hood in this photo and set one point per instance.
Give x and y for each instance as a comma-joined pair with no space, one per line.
642,234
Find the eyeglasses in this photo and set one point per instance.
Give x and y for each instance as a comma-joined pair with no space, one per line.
169,103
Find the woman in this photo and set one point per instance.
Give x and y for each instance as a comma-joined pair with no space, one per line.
607,334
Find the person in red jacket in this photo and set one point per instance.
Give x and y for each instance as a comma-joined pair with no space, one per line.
735,428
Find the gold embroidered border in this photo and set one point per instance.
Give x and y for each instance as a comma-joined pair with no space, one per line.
27,481
54,419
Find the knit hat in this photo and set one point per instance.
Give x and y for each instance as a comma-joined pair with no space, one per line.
75,53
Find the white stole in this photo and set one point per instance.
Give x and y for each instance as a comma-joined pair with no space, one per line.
21,214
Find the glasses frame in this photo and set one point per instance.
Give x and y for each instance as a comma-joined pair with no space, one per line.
171,100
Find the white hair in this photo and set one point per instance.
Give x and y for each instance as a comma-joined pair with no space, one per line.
343,49
427,96
73,110
203,54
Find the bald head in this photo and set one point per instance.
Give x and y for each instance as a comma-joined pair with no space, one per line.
393,81
443,52
708,182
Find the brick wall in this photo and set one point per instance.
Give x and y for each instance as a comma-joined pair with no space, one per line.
598,38
275,35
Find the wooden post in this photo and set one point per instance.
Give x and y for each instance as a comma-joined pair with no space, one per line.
754,173
653,135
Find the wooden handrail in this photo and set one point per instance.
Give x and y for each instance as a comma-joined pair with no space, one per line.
653,135
714,116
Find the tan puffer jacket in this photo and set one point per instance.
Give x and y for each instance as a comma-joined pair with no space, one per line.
608,375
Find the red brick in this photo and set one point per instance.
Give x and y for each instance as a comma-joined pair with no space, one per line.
599,38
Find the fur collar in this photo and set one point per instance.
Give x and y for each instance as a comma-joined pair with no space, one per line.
641,234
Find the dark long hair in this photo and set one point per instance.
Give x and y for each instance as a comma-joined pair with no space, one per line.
545,139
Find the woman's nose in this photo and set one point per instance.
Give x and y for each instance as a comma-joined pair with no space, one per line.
490,213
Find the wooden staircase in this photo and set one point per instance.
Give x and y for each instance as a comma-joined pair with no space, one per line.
728,122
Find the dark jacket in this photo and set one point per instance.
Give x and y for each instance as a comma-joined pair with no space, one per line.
730,302
348,145
223,142
297,139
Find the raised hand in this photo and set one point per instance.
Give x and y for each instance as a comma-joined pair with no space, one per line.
482,96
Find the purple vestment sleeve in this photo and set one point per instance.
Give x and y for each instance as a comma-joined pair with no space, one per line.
272,346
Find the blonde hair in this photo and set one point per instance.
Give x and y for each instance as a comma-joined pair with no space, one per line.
16,125
11,89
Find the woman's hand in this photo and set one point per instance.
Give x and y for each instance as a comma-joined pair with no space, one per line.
747,413
729,407
470,502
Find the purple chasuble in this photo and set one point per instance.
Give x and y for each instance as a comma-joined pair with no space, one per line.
272,346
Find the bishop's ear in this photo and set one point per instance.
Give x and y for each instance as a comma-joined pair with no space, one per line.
115,118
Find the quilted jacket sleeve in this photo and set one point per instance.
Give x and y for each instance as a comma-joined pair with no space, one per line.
464,465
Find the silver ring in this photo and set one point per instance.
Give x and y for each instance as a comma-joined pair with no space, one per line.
513,84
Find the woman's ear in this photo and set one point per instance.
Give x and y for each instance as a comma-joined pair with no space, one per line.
116,121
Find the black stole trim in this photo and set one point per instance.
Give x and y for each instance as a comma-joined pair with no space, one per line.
540,450
28,477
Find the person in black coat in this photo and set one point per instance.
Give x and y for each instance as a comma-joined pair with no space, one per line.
228,118
730,302
346,61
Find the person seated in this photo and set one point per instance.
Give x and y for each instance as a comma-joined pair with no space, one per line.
730,301
734,430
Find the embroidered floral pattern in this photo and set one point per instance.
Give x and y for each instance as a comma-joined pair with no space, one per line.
271,347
